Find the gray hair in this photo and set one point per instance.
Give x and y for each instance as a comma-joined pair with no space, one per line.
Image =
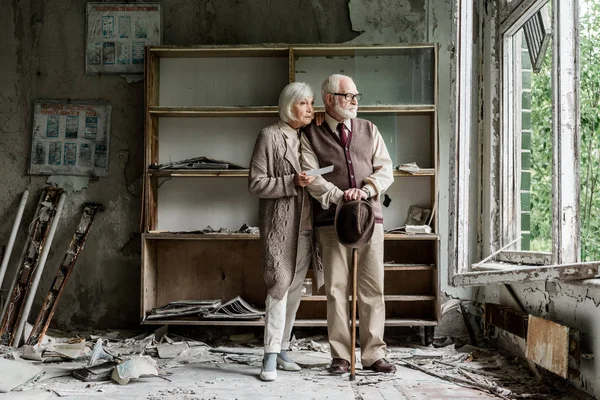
332,84
290,95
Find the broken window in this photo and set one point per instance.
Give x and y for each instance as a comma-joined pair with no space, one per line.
527,154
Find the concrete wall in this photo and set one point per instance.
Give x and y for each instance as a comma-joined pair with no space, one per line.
42,48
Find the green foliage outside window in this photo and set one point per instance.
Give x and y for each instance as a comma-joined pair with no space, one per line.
541,147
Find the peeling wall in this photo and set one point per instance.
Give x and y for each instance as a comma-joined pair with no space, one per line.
42,48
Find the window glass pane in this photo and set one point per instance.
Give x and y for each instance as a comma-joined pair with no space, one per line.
589,45
532,132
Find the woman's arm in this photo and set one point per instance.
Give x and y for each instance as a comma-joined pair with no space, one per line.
261,181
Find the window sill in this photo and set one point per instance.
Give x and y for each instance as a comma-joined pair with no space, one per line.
497,273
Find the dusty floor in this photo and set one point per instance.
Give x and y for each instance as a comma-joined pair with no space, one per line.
191,369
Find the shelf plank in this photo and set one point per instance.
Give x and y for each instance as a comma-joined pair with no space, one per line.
272,111
162,111
158,235
244,173
298,322
408,267
417,236
199,173
386,298
420,172
219,51
360,50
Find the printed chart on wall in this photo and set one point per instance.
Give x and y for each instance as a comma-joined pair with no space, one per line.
70,138
117,35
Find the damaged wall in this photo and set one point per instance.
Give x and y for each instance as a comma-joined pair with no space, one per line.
573,304
43,51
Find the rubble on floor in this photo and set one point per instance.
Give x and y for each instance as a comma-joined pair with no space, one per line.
167,364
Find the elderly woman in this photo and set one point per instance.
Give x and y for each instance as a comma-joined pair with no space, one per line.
284,221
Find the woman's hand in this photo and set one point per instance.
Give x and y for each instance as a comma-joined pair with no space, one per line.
302,179
319,118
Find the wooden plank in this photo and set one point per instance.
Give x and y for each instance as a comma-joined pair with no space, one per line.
207,270
419,173
198,173
386,298
409,252
408,267
244,173
225,111
525,257
415,237
298,322
362,50
414,310
253,111
292,67
419,282
148,278
159,235
548,345
525,274
219,51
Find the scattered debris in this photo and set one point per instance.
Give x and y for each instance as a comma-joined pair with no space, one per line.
133,368
16,373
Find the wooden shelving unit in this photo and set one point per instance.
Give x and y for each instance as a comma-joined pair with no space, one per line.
196,105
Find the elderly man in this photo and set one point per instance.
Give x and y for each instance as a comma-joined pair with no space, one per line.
362,170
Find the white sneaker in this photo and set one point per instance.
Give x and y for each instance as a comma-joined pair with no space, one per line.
268,375
287,366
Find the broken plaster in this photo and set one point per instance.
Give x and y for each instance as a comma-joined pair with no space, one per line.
388,21
69,183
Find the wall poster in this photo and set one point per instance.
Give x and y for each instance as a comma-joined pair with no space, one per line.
117,34
70,138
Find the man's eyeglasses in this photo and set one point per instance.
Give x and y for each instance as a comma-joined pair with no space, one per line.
349,96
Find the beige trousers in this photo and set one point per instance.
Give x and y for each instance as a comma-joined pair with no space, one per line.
281,314
337,269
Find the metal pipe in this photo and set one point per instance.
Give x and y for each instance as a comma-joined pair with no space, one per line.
21,259
38,272
13,235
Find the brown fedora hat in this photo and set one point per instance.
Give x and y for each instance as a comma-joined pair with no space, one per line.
354,223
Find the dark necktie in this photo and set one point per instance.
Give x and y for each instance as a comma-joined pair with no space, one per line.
343,134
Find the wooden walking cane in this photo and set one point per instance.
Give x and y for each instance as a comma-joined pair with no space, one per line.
353,354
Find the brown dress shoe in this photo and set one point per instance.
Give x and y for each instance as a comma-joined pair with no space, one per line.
339,366
382,366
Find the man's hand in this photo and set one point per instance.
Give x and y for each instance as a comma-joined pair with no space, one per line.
302,179
319,118
354,194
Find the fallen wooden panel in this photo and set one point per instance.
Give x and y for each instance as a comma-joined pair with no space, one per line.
16,373
548,345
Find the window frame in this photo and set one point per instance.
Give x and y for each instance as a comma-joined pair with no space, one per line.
496,152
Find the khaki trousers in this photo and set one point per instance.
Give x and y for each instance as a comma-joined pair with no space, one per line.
337,270
281,314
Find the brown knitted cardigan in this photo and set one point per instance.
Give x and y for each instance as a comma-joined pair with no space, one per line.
271,178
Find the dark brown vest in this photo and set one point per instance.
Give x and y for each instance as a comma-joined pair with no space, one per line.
351,164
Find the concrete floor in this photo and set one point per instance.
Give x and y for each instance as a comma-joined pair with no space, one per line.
207,374
239,381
